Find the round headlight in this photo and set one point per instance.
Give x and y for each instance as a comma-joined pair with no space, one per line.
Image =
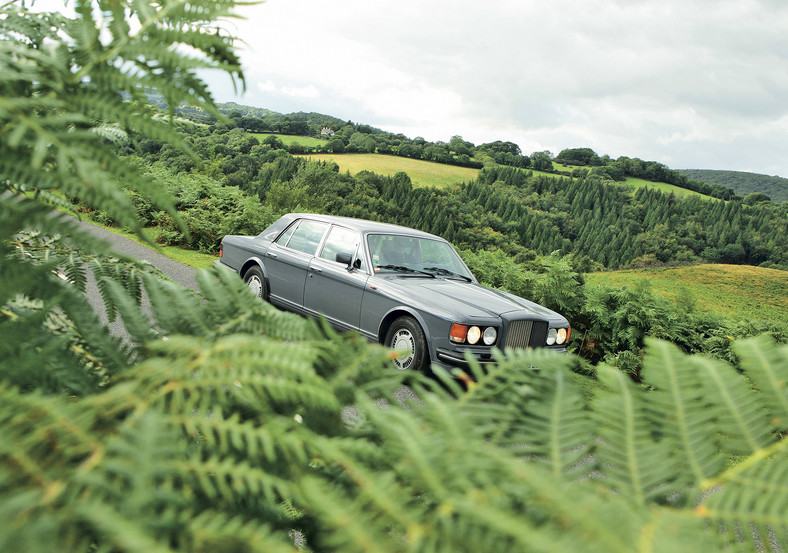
474,333
560,337
551,336
489,336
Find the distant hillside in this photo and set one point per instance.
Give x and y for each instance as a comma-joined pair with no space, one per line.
726,289
346,137
743,183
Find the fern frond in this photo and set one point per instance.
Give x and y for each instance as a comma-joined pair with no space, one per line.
767,367
218,531
108,271
448,501
274,441
75,272
681,409
260,375
742,422
176,309
226,483
631,461
754,499
233,310
135,321
532,405
39,456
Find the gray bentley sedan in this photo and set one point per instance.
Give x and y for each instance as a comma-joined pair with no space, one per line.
403,288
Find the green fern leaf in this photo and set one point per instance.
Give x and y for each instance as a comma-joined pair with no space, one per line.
767,367
681,411
631,461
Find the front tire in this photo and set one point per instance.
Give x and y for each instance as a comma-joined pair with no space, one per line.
406,337
255,280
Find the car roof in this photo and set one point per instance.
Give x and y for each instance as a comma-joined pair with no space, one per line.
363,225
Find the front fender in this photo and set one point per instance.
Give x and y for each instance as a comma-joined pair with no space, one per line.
399,311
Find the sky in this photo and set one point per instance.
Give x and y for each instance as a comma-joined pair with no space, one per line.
689,83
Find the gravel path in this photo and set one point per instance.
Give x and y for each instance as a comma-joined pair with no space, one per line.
179,272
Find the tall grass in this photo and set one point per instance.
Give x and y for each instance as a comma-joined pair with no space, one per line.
740,291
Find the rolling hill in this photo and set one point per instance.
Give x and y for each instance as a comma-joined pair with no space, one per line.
743,183
739,291
428,173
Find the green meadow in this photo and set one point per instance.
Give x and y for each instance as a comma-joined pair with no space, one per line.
739,291
291,139
421,173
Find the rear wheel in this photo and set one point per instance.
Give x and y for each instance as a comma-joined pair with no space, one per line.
255,280
406,337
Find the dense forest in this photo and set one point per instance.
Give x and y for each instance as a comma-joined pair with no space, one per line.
744,184
509,208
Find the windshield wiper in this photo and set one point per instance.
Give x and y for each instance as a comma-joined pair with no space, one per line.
446,272
403,269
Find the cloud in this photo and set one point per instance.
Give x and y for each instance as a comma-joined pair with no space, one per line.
309,91
680,82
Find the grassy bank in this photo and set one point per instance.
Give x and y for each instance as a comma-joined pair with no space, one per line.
739,291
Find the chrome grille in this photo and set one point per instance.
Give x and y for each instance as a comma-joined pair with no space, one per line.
523,334
519,334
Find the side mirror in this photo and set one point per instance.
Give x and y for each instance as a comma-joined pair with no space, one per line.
345,258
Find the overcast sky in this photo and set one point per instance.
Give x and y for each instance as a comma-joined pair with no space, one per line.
689,83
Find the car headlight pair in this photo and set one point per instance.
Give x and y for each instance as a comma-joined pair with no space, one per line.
558,336
465,334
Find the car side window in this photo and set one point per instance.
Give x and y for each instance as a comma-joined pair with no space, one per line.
340,240
282,240
306,238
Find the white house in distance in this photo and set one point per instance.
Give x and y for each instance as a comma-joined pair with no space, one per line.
325,131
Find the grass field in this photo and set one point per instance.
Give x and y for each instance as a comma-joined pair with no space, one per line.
639,183
664,187
739,291
422,173
291,139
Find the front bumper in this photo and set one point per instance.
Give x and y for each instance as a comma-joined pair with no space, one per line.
452,358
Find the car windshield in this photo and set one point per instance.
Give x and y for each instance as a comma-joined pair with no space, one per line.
400,253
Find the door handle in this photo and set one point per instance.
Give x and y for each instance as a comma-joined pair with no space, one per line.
270,254
316,269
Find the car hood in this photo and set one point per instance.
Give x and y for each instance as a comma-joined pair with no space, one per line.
460,299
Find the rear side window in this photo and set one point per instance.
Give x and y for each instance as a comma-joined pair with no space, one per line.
306,238
282,240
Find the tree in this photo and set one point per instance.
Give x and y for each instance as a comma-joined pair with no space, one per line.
755,197
364,142
578,156
460,146
542,161
502,147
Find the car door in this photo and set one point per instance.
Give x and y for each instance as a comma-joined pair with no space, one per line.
287,261
335,289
